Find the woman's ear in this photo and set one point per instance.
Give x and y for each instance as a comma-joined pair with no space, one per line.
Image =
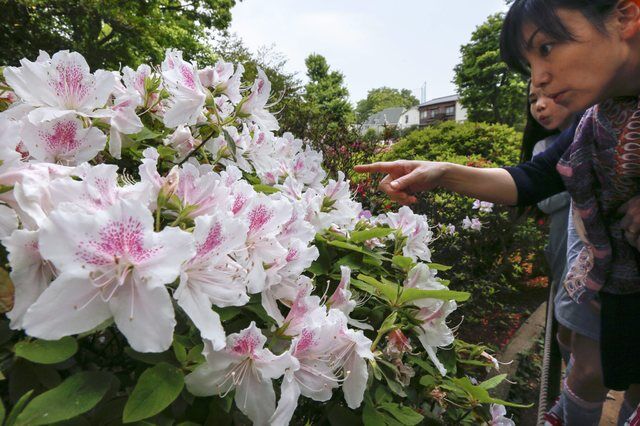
627,18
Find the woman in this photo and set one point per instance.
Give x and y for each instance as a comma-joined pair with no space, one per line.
581,53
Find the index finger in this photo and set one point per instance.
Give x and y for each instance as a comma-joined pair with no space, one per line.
379,167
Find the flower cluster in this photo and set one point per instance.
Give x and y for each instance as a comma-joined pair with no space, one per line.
128,194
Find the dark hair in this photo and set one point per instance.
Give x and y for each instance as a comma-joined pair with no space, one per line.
543,15
533,133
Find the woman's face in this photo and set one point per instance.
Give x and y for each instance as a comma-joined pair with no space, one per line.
576,74
548,113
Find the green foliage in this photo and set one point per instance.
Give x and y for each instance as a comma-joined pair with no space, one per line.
45,351
110,33
460,143
157,387
382,98
487,88
490,263
76,395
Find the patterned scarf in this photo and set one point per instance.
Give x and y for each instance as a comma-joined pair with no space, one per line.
601,171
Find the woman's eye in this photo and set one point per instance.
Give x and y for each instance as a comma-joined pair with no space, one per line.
545,49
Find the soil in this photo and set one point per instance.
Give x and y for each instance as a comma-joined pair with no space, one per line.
494,324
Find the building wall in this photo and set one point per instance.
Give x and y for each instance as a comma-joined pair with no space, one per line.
461,113
410,118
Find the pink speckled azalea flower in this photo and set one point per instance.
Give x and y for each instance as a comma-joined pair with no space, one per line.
254,107
341,299
30,273
201,189
498,416
62,140
222,79
187,96
353,348
416,230
112,265
211,276
60,85
316,378
244,365
434,332
264,217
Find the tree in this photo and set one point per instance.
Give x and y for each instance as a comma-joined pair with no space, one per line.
382,98
487,88
110,33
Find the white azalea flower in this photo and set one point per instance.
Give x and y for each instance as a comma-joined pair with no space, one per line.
316,378
59,86
341,299
63,140
498,416
254,107
211,276
111,264
30,273
243,365
353,349
265,217
434,332
187,98
223,79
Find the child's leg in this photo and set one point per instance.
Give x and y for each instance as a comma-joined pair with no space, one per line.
563,337
584,393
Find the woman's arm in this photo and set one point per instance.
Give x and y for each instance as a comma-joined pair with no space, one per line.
525,184
406,178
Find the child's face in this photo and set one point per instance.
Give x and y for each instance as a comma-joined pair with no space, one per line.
576,74
545,111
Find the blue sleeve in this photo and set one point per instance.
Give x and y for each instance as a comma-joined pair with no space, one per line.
538,179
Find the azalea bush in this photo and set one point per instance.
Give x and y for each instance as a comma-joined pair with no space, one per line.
170,259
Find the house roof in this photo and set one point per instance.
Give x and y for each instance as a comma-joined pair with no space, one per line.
389,116
441,100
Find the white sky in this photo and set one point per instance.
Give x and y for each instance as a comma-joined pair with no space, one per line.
374,43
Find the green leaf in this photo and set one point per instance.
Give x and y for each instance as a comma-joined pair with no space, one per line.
230,142
480,394
2,412
47,351
76,395
389,323
438,267
371,416
361,236
266,189
493,382
157,387
389,292
179,351
145,134
404,415
347,246
402,262
148,357
360,285
17,409
428,381
412,294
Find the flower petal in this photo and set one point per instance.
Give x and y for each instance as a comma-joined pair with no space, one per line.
144,314
70,305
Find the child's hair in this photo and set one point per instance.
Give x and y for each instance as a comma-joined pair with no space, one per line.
543,15
533,133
